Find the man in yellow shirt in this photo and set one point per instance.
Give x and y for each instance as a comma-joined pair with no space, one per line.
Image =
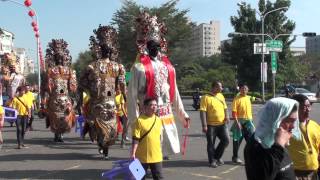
31,105
146,134
242,114
305,151
214,118
20,104
122,114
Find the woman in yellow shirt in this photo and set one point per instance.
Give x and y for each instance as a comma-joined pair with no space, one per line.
146,145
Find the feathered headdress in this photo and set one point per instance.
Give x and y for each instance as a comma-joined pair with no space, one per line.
57,53
105,35
148,28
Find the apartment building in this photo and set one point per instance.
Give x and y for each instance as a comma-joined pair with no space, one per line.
205,39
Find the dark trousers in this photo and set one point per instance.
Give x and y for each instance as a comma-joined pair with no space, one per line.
156,169
246,134
31,119
21,125
306,175
221,132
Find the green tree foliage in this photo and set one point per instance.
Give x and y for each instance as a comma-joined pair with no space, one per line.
240,51
32,78
293,72
203,71
179,30
81,63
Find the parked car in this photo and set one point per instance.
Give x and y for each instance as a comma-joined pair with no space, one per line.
311,96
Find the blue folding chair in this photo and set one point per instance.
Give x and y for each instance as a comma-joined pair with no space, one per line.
129,169
10,114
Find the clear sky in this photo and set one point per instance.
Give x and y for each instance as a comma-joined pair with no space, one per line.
74,20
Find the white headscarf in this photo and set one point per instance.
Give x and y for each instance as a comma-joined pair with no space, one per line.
270,117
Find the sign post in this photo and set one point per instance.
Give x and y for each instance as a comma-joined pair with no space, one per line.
274,46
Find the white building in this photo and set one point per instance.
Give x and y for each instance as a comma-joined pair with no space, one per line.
6,41
205,39
313,45
298,51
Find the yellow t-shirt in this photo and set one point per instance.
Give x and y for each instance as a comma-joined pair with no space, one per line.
149,149
1,110
119,99
215,107
29,98
299,150
16,104
242,106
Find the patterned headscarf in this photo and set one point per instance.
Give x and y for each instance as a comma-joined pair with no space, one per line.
270,117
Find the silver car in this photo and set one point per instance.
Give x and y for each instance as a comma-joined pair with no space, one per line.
311,96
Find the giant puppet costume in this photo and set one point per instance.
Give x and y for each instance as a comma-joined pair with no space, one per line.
153,76
10,74
99,81
58,83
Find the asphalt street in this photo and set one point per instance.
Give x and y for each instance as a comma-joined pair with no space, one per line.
79,159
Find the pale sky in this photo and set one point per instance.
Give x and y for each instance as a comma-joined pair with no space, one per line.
74,20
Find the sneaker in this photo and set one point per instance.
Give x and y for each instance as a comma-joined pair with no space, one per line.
213,164
106,157
220,162
237,161
100,150
127,138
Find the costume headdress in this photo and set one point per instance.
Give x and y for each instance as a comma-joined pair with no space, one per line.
148,28
105,36
57,53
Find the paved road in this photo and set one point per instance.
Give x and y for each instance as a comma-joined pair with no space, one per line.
79,159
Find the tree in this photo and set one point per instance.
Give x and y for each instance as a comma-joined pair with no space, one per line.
240,51
178,36
83,60
32,78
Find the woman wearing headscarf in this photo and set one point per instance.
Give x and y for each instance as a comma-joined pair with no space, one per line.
265,154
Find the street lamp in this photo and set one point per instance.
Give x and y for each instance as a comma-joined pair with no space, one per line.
262,17
35,25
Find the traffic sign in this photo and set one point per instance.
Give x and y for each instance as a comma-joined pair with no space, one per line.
274,62
257,48
274,45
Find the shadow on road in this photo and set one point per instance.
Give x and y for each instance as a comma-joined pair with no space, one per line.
57,174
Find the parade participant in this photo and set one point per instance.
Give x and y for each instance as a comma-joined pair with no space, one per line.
214,118
242,115
20,104
305,151
265,154
31,105
99,80
58,84
1,125
146,145
122,114
11,77
153,76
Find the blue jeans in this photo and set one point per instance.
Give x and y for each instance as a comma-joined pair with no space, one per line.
220,131
21,125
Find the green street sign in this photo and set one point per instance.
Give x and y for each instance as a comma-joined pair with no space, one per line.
274,62
274,45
